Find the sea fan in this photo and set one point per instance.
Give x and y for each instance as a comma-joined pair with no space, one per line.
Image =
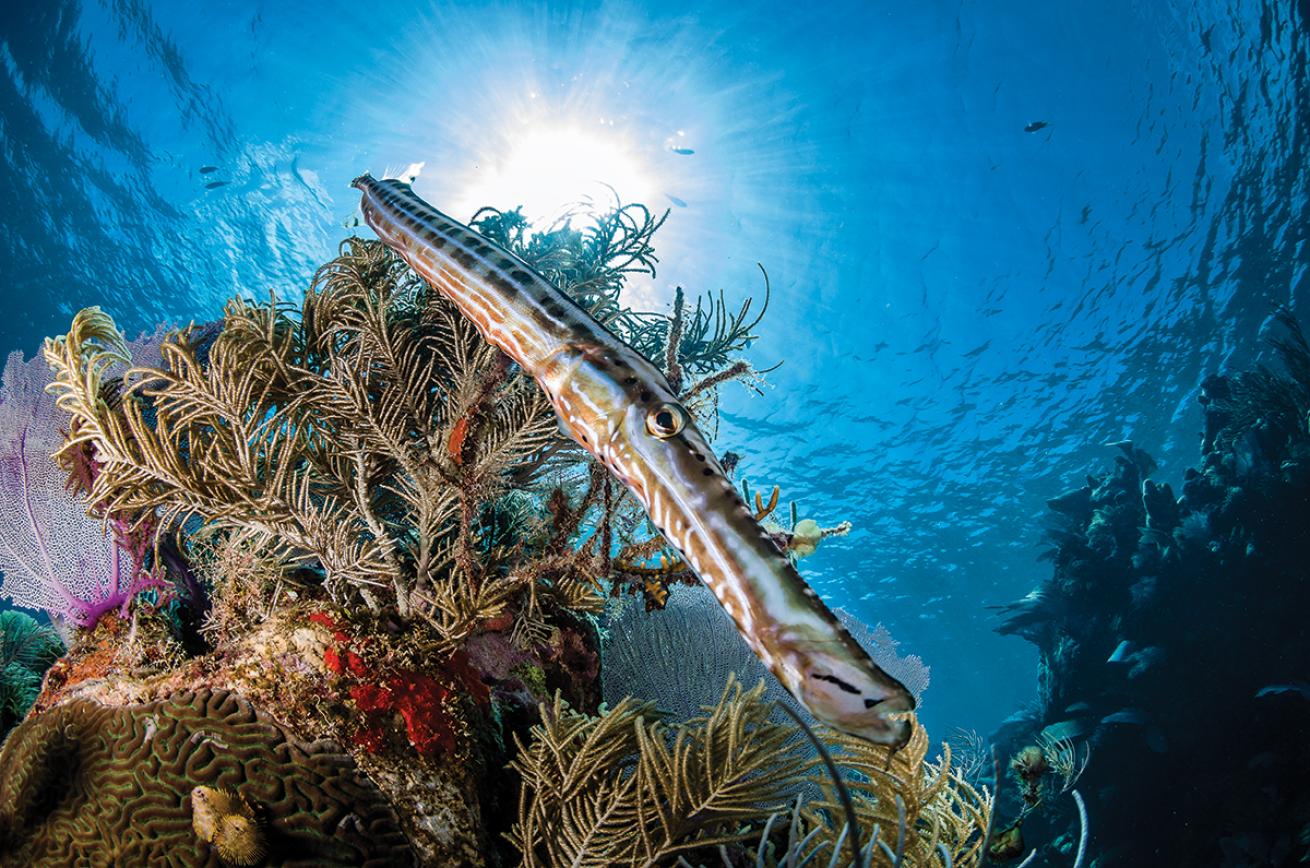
680,657
53,556
910,670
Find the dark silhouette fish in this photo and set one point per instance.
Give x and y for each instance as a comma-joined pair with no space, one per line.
686,152
1035,126
205,170
214,185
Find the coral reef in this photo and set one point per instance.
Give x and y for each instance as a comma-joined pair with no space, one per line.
89,782
310,436
368,436
357,516
362,594
1172,638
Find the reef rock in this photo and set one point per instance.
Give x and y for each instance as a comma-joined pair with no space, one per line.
254,754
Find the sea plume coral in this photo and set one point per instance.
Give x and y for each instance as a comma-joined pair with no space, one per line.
326,435
371,441
627,788
630,788
911,810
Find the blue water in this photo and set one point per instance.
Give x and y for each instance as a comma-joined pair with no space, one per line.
966,311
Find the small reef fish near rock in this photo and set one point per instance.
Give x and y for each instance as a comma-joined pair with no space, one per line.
619,407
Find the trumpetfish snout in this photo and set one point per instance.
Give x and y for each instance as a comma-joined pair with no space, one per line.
621,409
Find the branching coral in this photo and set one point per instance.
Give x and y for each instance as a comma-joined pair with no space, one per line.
591,264
918,809
339,436
627,788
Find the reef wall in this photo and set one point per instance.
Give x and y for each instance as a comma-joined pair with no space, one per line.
1174,641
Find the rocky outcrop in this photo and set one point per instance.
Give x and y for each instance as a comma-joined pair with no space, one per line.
1173,639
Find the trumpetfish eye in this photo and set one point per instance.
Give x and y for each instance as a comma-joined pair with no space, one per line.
666,420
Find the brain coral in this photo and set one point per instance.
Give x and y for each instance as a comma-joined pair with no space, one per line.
87,784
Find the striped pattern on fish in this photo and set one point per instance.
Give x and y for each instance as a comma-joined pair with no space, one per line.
619,407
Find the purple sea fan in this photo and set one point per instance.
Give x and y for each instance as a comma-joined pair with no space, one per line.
680,656
908,669
53,555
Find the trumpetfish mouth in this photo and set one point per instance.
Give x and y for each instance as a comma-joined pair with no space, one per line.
621,409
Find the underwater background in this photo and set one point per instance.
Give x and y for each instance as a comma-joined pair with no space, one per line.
1000,237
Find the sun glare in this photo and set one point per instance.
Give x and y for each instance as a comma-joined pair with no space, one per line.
549,170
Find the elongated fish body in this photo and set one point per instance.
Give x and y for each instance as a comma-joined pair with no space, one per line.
620,408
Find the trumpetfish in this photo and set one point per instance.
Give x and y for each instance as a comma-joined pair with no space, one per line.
620,408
